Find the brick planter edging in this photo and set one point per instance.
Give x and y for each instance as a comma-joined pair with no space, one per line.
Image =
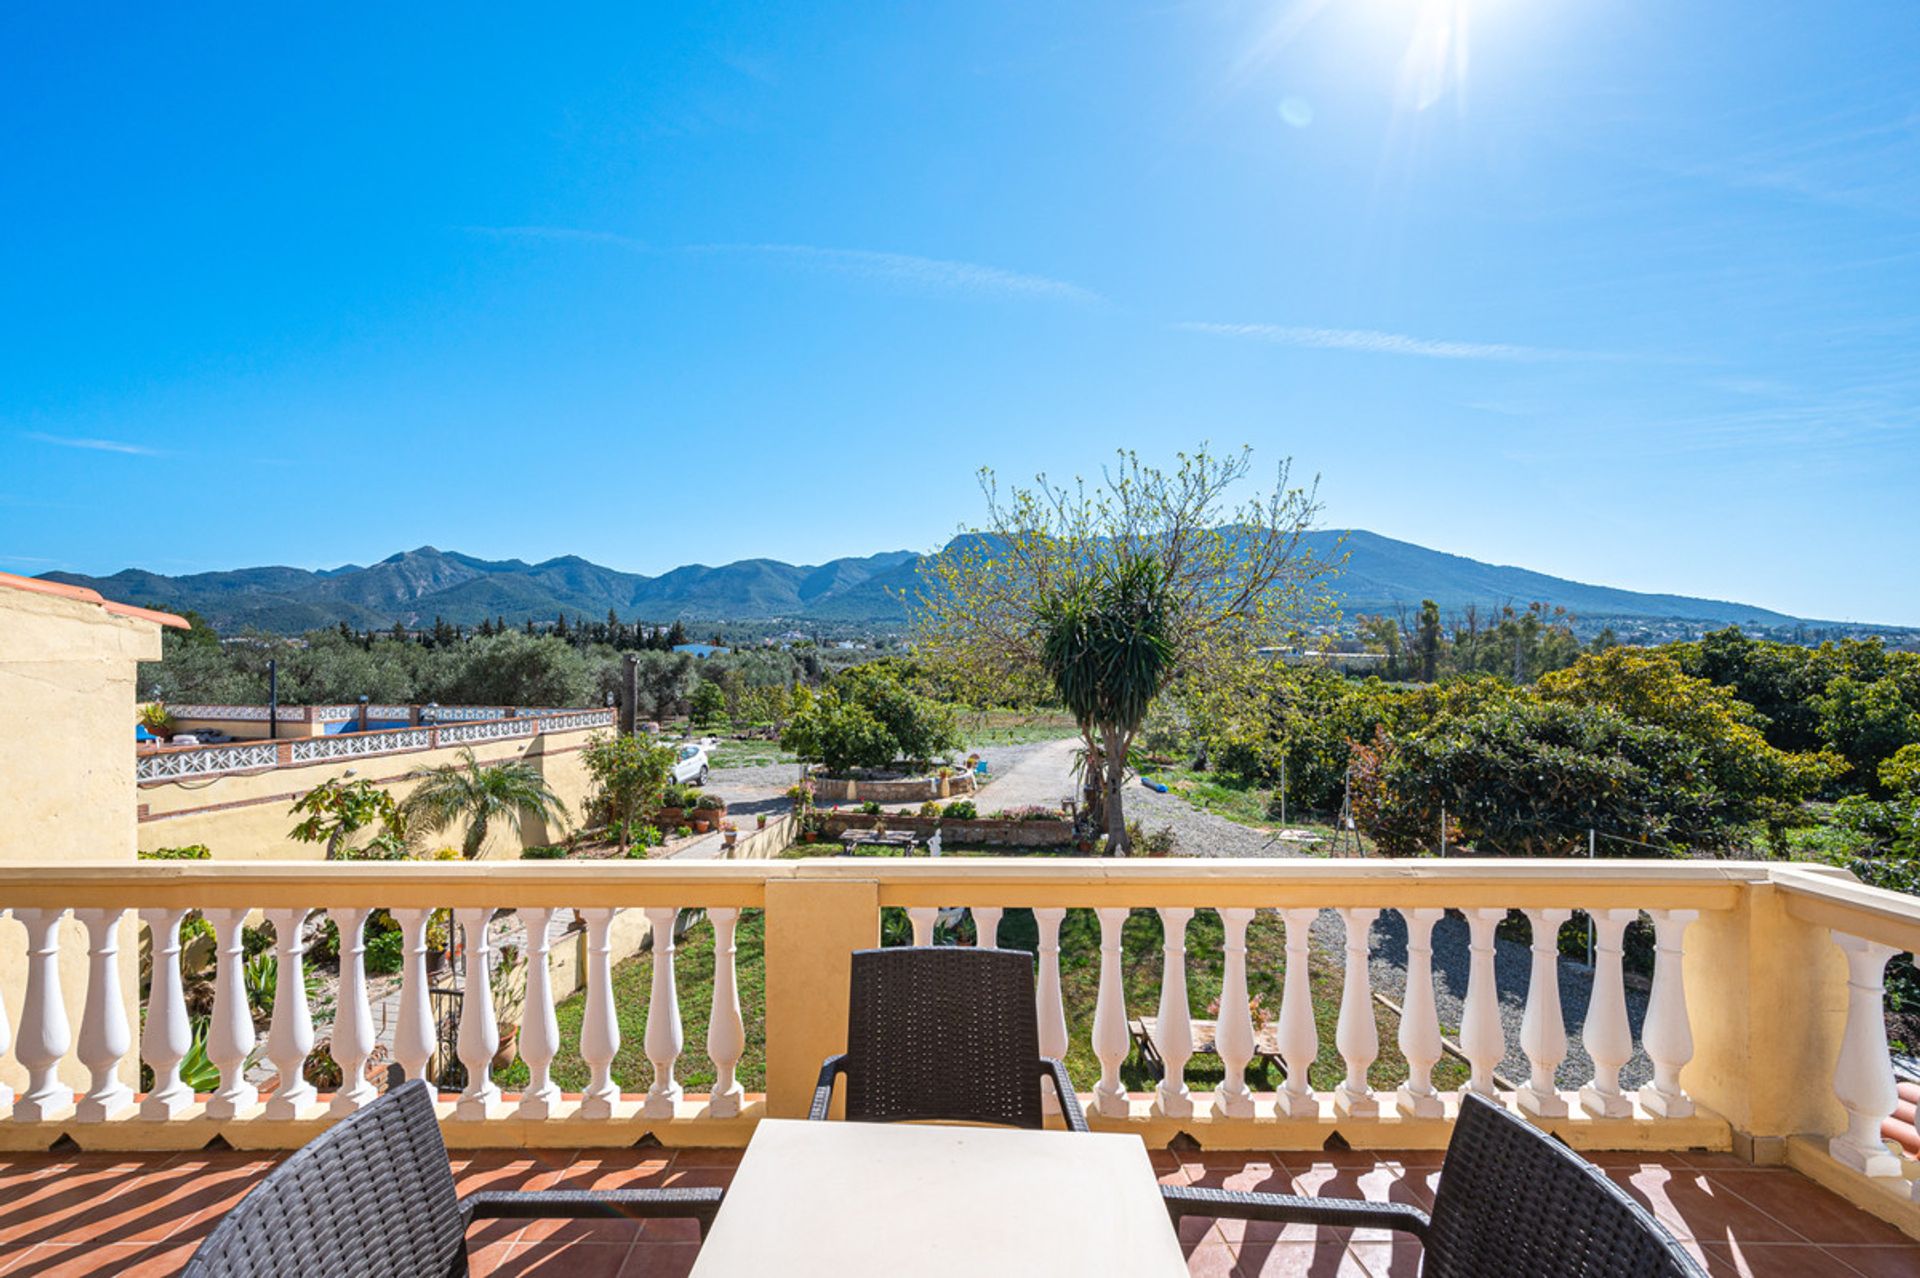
986,831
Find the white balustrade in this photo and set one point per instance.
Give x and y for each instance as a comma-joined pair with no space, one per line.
539,1026
1111,1040
599,1028
1863,1076
1420,1021
1543,1032
1667,1035
1299,1036
923,917
6,1038
1233,1027
663,1037
353,1039
168,1035
290,1035
230,1038
1357,1033
1049,1006
104,1036
1173,1031
726,1033
1606,1034
414,1039
45,1035
479,1036
1482,1035
986,926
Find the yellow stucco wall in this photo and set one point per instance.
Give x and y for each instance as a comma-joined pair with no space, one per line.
244,816
67,672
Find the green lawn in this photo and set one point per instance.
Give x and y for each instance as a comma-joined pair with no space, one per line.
1079,979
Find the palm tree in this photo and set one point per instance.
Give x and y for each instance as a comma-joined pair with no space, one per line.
1105,645
514,790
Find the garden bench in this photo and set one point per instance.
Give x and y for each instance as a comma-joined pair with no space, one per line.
857,839
1266,1044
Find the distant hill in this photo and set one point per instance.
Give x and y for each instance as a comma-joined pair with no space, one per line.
416,586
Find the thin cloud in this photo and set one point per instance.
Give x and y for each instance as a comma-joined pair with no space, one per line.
95,445
908,270
1373,342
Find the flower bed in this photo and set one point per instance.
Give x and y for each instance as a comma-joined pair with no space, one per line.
1003,832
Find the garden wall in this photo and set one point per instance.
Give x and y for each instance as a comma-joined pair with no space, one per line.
984,832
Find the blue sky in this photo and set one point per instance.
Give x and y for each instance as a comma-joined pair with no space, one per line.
1627,292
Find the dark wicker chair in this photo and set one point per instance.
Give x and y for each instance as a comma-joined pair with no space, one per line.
373,1196
944,1034
1513,1201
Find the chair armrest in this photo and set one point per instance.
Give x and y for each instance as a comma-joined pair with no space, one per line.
1283,1209
701,1204
833,1067
1053,1070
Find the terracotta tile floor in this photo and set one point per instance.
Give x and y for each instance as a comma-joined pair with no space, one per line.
143,1214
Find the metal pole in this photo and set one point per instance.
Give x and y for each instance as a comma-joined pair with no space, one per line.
273,698
1590,856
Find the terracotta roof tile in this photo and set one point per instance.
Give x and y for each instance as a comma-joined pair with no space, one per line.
84,595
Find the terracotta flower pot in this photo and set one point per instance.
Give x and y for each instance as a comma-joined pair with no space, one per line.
700,826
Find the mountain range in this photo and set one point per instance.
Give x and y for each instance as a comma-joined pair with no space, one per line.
416,586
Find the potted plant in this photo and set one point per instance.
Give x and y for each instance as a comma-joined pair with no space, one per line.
729,834
157,720
700,824
760,821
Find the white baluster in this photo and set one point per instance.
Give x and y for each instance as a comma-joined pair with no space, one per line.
1233,1031
1606,1034
104,1036
1174,1033
1110,1037
1482,1035
230,1037
290,1035
1667,1034
1420,1021
1299,1036
45,1036
663,1038
1357,1034
1543,1031
986,926
1049,1007
1863,1076
352,1019
168,1036
726,1034
600,1028
479,1029
414,1038
6,1038
539,1026
922,917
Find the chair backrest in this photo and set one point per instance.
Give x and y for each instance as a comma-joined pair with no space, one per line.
943,1034
371,1196
1513,1201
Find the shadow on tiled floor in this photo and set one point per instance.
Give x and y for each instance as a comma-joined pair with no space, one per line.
142,1215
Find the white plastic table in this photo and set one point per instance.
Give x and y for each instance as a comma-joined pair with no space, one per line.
882,1200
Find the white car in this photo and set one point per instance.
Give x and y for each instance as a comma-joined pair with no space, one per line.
690,764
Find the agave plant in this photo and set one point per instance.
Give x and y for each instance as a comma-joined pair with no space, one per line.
467,791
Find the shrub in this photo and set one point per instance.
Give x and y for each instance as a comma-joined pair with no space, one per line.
641,838
628,775
682,831
868,718
1147,842
870,808
930,809
384,953
188,852
543,852
961,810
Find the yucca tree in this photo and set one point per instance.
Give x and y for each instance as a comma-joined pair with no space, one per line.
1105,645
480,795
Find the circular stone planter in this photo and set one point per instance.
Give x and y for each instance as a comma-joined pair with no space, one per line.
828,789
